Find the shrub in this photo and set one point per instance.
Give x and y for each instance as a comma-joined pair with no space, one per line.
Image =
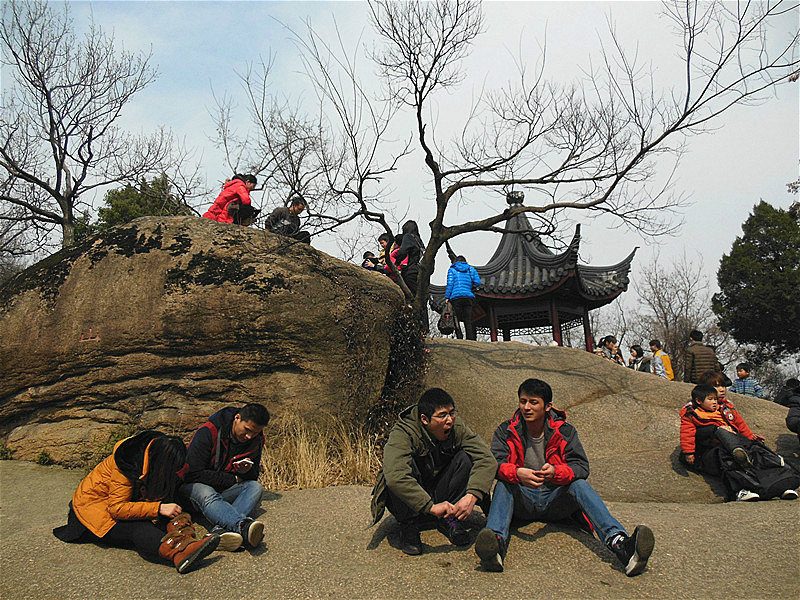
302,455
5,453
44,459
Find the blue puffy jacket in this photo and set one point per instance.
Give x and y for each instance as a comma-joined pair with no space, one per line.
461,278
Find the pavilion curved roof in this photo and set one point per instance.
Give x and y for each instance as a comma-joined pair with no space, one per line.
522,267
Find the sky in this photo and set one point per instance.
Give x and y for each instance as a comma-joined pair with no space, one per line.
199,47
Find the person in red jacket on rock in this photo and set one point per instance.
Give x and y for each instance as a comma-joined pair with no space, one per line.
235,190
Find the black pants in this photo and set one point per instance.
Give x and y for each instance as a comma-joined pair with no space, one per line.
450,485
463,310
410,276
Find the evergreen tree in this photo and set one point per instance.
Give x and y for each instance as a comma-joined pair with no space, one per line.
759,301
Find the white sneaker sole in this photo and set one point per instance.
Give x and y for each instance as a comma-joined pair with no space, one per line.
229,541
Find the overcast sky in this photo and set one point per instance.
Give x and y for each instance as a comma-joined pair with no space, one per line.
199,46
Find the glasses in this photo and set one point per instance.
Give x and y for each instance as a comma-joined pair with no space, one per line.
444,414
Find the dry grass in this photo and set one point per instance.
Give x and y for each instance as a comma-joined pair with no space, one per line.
306,456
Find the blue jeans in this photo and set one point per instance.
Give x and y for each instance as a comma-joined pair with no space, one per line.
550,503
227,508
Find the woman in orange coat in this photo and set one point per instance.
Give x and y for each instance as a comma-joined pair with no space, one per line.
127,500
236,190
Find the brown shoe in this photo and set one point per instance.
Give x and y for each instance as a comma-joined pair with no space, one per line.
181,521
184,551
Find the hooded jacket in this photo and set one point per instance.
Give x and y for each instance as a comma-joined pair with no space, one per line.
692,424
112,491
235,189
461,278
562,448
213,451
410,440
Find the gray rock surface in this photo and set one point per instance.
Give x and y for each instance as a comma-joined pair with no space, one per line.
628,421
160,322
319,546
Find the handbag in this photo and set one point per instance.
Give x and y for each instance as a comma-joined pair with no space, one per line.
447,322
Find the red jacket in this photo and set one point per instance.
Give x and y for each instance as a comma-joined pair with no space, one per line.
235,189
562,449
690,422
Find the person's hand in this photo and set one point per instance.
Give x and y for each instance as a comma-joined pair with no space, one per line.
169,510
759,438
243,466
463,508
689,458
547,472
529,478
441,510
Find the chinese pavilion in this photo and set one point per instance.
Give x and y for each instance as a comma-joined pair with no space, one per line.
527,288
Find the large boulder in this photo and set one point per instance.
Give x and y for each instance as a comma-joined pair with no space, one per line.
627,421
160,322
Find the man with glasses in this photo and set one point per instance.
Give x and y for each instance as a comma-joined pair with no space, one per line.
434,468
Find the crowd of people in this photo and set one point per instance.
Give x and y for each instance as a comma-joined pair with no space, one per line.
435,471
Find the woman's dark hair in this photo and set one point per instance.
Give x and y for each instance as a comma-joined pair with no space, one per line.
246,178
166,456
638,349
411,227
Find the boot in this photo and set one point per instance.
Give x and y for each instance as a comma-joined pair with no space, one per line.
181,521
183,550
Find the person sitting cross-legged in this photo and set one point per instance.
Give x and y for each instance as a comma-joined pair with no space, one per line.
223,461
542,477
434,468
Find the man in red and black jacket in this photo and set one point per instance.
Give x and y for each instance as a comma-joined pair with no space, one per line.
542,471
223,461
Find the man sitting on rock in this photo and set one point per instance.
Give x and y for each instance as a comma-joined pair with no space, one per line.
223,461
286,220
435,468
542,477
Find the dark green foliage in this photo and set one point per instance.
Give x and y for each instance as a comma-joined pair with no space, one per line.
407,364
5,453
44,459
759,301
149,199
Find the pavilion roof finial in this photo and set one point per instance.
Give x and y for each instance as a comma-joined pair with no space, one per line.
515,198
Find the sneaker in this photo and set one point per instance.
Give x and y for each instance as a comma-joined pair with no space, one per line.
634,551
491,549
747,496
252,532
409,539
229,541
789,495
741,457
454,530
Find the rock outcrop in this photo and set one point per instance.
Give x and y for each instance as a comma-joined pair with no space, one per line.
628,421
159,322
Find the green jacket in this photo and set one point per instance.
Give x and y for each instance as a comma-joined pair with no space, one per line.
408,440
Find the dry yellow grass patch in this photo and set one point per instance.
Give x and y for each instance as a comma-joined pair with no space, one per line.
301,455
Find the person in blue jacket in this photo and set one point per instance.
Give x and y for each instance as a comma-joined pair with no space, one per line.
461,280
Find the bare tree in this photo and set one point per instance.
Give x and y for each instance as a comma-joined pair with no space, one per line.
61,102
592,148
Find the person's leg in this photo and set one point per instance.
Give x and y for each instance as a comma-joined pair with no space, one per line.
408,518
466,317
451,483
244,497
213,506
595,510
458,309
144,536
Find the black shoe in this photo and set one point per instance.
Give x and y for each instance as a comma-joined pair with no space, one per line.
634,551
491,549
409,539
579,520
454,530
252,532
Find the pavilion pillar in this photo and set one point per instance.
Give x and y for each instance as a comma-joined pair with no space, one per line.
587,331
492,323
506,335
555,322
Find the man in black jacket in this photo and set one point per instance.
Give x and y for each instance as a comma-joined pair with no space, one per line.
223,461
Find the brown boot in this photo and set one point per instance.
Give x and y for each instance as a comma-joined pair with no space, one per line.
184,551
179,522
